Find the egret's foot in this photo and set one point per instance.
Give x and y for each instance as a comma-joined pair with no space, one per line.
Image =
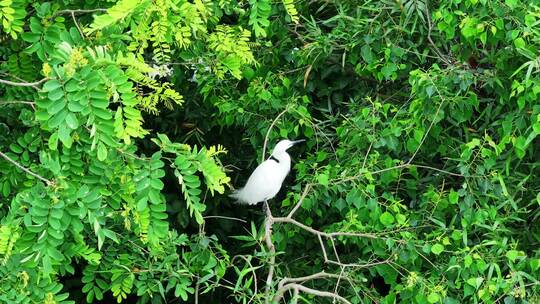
266,209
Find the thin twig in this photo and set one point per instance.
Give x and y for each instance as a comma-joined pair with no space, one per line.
7,102
356,265
302,197
335,249
406,165
129,154
24,84
248,262
339,280
225,217
77,24
80,11
48,182
269,130
4,102
429,128
323,249
367,154
430,28
437,169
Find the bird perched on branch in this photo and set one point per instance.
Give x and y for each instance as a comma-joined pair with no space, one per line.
264,183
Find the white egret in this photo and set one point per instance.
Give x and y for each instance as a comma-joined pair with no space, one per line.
264,183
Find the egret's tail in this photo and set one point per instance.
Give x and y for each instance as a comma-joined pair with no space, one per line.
240,197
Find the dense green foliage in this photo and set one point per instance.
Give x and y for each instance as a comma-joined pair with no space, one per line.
125,123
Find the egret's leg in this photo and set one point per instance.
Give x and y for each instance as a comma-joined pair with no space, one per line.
266,208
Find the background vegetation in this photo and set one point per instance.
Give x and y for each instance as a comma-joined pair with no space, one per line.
124,123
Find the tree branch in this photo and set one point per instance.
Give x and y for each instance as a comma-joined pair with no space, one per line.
430,28
406,165
225,218
48,182
318,275
269,221
7,102
24,84
269,130
80,11
429,128
304,194
298,287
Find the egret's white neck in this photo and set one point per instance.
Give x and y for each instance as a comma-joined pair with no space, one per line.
282,156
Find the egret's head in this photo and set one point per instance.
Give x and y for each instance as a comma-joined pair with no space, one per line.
285,144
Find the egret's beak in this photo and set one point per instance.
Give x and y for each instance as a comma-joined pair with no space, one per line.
298,141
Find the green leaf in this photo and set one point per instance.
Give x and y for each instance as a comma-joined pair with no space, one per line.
51,85
511,3
512,255
57,119
56,95
64,134
16,148
386,218
47,265
142,204
322,179
72,121
101,151
536,128
53,141
433,297
453,197
535,264
519,43
437,249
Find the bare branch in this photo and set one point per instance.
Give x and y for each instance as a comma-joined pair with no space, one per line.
430,28
48,182
356,265
197,291
225,217
298,287
253,272
437,169
5,102
429,128
323,248
80,11
8,102
269,130
269,221
77,24
406,165
335,249
304,194
24,84
318,275
325,234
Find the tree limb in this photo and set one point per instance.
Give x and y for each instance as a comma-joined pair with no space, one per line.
269,221
80,11
24,84
318,275
48,182
299,287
